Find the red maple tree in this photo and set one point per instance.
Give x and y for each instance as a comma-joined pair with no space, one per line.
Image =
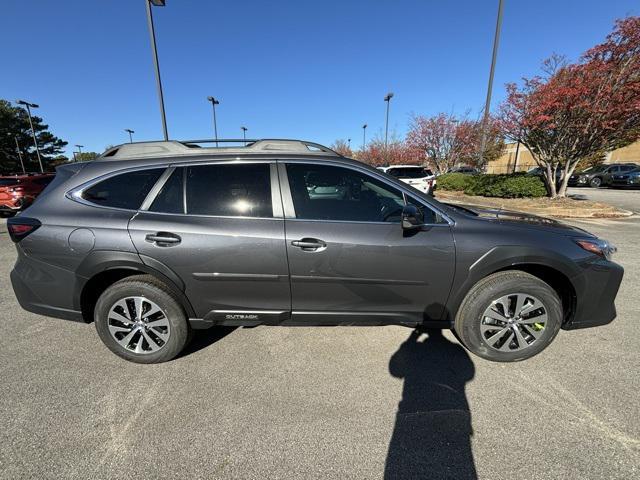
579,110
446,141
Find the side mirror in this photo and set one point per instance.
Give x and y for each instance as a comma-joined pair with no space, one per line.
412,217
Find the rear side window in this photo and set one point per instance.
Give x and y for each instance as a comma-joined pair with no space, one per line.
233,190
127,190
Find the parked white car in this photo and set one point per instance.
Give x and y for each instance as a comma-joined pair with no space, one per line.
418,177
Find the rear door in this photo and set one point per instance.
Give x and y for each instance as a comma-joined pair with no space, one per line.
349,259
219,228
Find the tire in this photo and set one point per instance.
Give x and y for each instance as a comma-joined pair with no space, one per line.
482,335
160,337
596,182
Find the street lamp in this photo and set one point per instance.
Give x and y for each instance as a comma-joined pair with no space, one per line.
152,33
364,136
487,105
19,152
130,132
214,102
79,151
244,134
33,133
349,143
387,98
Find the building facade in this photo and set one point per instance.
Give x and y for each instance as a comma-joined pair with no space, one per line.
517,158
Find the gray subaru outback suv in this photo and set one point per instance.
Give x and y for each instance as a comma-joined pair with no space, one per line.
153,240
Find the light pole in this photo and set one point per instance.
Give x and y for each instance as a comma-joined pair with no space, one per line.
364,136
130,132
33,133
214,102
387,99
79,150
349,143
487,105
152,33
18,150
244,134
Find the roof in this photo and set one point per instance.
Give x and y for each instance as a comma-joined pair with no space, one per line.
388,167
193,148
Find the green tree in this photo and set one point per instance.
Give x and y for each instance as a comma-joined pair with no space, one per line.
14,124
86,156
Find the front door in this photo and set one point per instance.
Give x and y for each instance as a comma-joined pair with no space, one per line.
218,228
349,259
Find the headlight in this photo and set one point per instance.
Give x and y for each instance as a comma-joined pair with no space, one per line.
598,246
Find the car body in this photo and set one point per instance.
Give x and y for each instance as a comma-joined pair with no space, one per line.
626,179
154,239
19,191
417,176
600,175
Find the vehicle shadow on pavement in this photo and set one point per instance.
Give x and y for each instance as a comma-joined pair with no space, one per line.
203,338
432,435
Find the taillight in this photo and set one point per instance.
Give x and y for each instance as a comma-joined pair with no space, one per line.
16,189
20,227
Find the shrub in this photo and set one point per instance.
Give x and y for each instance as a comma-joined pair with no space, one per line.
454,181
503,186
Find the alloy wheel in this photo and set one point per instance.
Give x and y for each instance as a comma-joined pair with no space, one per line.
138,324
513,322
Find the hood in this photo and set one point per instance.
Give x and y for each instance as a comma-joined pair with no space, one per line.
522,219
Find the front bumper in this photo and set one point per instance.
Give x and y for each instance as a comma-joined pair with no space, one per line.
599,284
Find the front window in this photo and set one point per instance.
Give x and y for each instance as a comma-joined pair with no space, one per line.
326,192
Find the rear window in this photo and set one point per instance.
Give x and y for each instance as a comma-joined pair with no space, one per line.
229,190
127,190
408,172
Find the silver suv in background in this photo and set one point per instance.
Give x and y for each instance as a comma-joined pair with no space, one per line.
153,240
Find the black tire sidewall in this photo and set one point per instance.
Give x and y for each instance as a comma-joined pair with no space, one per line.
179,328
470,314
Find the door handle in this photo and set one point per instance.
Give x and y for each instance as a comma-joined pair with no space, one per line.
309,244
163,239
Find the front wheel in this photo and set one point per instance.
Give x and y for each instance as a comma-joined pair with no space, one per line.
140,320
509,316
596,182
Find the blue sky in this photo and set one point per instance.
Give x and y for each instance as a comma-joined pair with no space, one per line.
315,70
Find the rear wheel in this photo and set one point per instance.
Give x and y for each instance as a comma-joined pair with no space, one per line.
509,316
140,320
595,182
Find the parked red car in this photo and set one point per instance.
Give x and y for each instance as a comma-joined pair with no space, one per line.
19,191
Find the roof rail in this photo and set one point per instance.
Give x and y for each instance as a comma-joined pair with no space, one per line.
193,147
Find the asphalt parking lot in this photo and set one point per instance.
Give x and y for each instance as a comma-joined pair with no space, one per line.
322,402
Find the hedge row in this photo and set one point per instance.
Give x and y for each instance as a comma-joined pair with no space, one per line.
504,186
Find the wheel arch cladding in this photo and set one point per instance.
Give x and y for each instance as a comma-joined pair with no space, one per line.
560,273
98,272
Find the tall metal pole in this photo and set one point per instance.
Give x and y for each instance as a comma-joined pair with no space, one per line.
244,134
214,102
19,153
79,150
487,105
387,99
152,33
130,132
33,132
364,136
